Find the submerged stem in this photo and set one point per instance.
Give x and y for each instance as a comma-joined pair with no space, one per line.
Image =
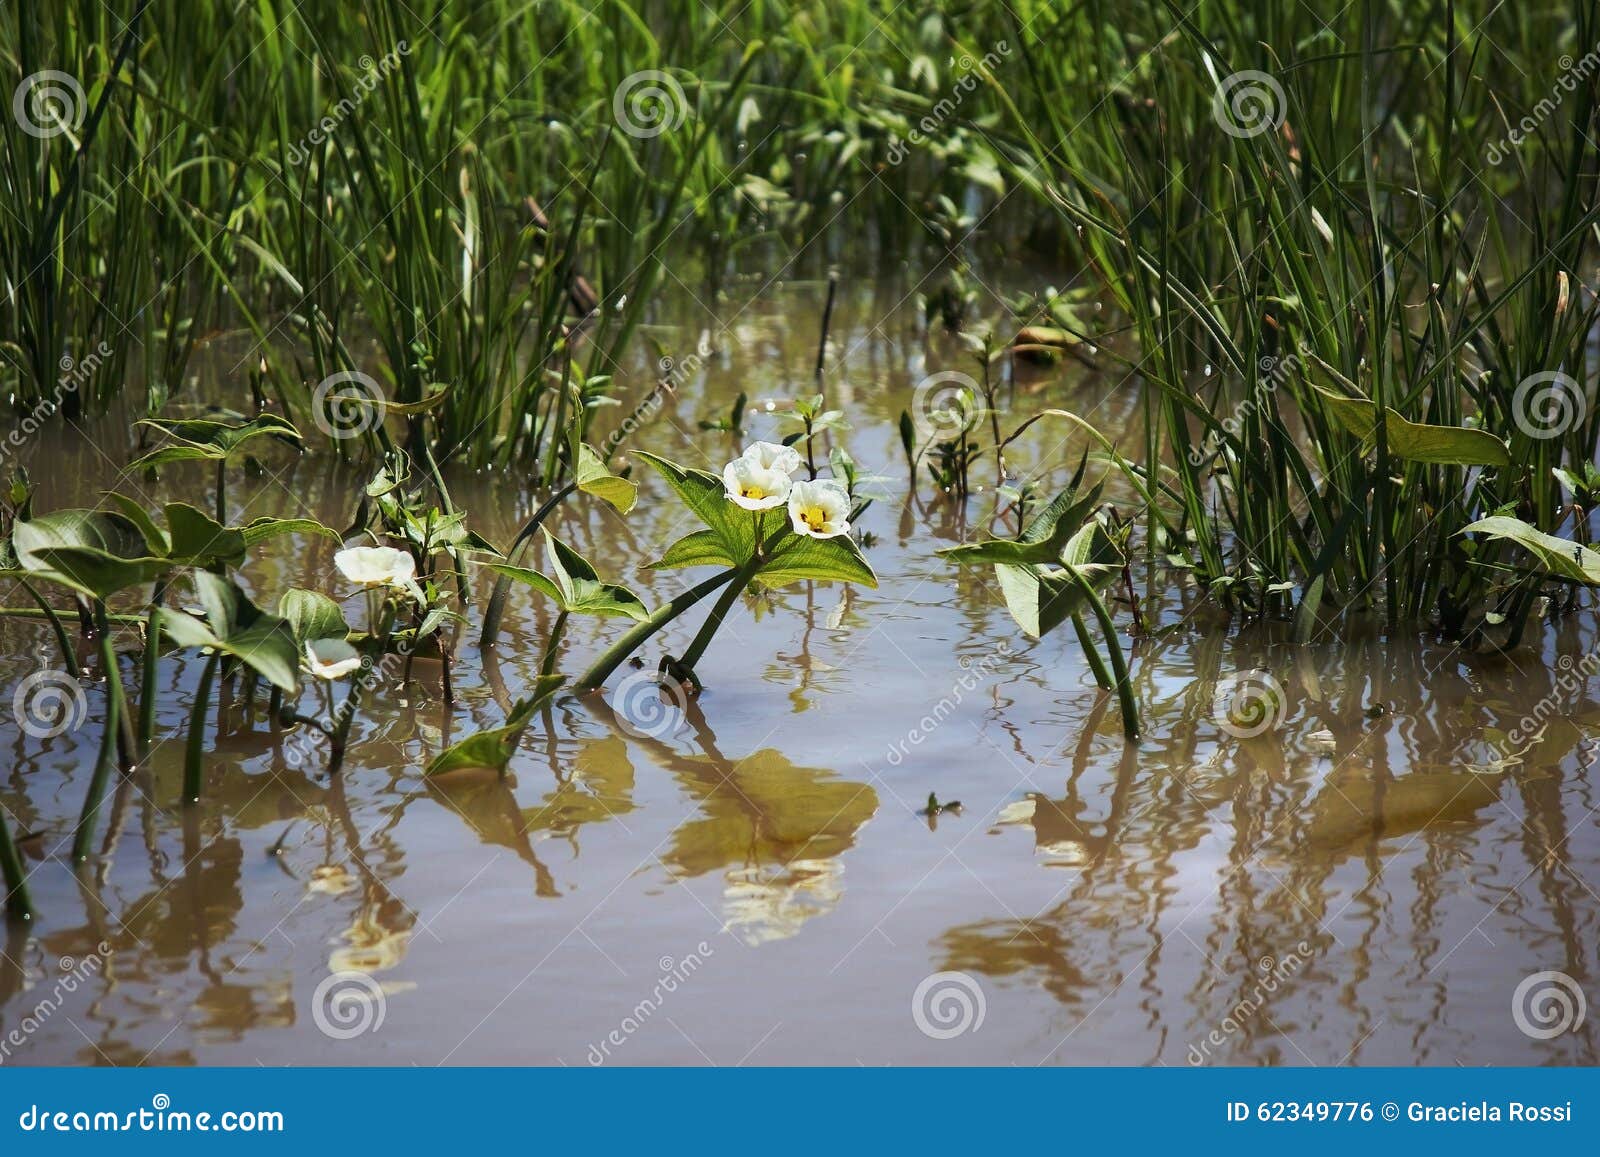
614,655
194,750
18,905
107,756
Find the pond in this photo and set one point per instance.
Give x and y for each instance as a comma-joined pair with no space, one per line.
1376,875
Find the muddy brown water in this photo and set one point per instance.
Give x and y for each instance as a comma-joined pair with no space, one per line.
1370,881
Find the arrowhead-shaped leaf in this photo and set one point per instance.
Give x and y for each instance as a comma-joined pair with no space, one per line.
493,749
1558,556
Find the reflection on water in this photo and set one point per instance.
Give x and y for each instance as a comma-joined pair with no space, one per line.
1366,879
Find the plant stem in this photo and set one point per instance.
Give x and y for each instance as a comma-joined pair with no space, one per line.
1092,653
222,491
719,611
496,609
147,682
557,630
84,836
18,905
194,751
614,655
1119,665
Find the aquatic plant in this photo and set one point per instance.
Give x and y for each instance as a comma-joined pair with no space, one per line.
762,527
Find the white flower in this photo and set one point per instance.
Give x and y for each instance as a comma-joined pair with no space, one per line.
379,566
331,658
754,486
771,456
820,509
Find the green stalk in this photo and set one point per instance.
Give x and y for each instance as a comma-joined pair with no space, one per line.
108,740
719,611
45,610
1096,664
18,905
1119,666
614,655
147,682
194,751
551,648
495,611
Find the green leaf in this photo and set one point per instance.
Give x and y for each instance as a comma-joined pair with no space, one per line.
493,749
94,572
575,587
197,539
1557,556
708,500
261,529
530,578
1043,540
91,545
702,548
1413,441
235,626
311,616
207,438
593,476
799,558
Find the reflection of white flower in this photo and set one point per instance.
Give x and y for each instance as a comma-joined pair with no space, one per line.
379,566
331,658
819,509
771,456
753,486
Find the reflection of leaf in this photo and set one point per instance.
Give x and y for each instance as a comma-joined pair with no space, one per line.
1360,803
765,809
494,748
600,789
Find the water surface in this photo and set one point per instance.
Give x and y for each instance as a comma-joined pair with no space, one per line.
1367,883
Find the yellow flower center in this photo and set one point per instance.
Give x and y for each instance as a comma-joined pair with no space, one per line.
814,517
